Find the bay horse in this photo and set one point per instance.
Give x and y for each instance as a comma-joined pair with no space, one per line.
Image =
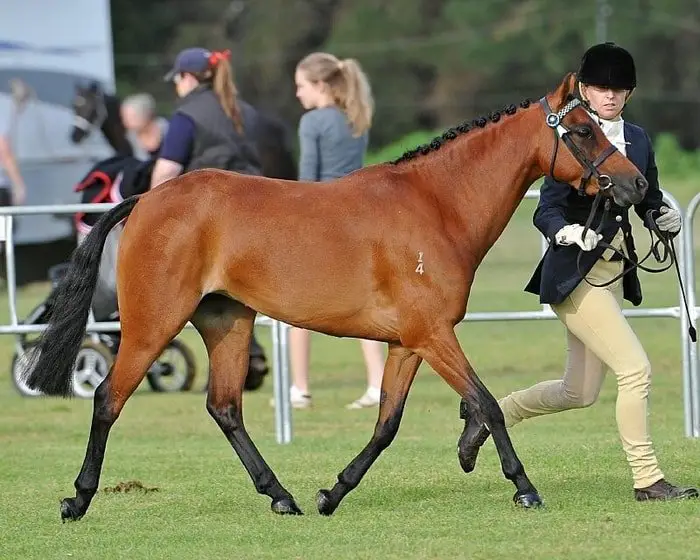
94,108
387,253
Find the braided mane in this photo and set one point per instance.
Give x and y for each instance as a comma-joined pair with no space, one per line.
462,128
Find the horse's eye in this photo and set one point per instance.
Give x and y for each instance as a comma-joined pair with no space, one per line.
584,131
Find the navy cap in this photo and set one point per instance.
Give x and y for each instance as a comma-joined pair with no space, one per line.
194,60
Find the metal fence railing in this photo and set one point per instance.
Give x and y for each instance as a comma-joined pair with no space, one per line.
279,331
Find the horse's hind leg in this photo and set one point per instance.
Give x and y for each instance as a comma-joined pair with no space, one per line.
399,373
442,351
137,352
226,327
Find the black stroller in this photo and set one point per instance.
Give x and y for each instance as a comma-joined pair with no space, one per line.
174,370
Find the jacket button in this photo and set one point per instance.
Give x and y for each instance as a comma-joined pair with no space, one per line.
618,218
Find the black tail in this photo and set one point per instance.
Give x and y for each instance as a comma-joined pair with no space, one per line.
50,367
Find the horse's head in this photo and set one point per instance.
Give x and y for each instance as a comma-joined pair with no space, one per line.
585,156
88,110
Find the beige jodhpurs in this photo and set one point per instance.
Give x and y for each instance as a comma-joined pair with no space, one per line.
598,335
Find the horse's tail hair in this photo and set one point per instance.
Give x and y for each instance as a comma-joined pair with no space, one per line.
50,365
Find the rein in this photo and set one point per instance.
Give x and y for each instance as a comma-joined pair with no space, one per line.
663,238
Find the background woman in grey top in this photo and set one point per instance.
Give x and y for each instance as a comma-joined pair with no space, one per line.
333,140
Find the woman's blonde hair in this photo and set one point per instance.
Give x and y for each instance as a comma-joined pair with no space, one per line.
348,85
220,76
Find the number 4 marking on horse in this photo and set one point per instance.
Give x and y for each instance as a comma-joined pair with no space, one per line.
419,268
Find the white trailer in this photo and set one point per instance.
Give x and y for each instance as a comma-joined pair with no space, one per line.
46,48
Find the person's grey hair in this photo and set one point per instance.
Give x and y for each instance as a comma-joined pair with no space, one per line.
143,103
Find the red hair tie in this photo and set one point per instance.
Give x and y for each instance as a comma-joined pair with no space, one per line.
217,56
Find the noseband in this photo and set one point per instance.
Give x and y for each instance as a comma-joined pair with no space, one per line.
555,122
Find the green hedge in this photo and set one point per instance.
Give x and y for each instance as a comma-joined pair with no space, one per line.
395,149
674,162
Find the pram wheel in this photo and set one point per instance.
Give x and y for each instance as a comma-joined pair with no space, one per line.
19,363
174,370
91,367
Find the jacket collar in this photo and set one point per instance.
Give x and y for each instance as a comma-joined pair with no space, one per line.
636,147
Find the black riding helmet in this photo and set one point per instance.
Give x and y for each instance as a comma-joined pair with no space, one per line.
608,65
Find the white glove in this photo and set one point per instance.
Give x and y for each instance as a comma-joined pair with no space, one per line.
669,220
572,234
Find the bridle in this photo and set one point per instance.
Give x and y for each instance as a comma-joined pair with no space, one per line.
554,121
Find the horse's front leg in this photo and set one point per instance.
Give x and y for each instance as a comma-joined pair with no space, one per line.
399,373
474,435
444,354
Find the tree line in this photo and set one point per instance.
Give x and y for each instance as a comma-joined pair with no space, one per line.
432,63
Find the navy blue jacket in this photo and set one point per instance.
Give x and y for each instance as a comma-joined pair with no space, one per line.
556,275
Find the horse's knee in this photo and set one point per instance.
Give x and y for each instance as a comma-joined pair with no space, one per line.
483,406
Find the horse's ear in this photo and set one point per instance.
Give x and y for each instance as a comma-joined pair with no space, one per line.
564,92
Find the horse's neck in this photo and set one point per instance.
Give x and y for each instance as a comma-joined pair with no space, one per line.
487,175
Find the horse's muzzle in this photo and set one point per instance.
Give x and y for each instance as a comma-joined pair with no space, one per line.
626,194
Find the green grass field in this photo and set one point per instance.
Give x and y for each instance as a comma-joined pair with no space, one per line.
414,503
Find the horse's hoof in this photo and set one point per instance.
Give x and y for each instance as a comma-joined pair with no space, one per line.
286,506
469,445
467,459
69,511
528,500
325,503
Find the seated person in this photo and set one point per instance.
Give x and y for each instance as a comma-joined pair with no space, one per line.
145,129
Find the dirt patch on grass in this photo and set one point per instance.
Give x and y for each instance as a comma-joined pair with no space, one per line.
130,486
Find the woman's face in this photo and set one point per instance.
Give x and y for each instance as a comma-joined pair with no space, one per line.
607,102
184,83
311,95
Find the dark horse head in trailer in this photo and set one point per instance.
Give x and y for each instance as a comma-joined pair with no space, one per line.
229,247
93,108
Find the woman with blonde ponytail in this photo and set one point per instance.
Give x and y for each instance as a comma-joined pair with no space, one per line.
211,126
333,136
